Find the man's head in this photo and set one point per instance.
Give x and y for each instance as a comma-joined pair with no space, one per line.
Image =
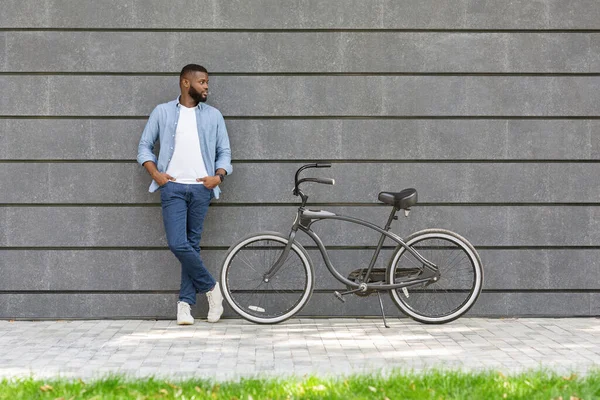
193,81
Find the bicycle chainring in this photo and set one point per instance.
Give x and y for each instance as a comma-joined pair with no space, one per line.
377,276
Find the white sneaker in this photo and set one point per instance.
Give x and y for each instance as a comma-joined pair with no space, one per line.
184,315
215,303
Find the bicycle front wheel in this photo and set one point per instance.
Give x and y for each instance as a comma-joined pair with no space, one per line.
260,300
459,284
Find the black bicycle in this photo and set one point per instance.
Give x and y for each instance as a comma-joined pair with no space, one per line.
434,276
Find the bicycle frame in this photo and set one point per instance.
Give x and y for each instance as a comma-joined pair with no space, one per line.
305,218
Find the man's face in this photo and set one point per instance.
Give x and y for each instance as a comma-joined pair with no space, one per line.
198,89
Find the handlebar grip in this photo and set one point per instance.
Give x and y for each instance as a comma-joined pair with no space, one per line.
323,165
326,181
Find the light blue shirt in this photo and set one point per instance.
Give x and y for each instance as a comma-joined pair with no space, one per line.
162,125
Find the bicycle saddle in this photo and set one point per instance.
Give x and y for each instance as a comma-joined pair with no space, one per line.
401,200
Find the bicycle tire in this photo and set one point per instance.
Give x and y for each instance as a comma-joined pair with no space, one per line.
423,302
245,290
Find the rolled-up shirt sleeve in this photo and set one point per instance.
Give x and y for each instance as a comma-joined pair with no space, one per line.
149,137
223,150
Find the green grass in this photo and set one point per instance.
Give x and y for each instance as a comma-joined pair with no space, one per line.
435,384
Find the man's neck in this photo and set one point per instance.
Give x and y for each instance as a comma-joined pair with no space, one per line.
187,101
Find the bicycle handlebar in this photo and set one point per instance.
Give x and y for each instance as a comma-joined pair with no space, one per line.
325,181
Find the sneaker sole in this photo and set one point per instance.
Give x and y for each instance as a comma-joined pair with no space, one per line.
185,323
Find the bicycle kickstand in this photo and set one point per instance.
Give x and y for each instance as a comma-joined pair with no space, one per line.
382,313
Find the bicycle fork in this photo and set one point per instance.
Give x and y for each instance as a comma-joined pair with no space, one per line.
286,251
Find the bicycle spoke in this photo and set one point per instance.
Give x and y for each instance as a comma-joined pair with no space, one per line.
245,260
452,268
450,263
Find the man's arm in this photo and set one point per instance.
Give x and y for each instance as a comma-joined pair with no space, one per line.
146,155
222,157
149,137
161,178
223,151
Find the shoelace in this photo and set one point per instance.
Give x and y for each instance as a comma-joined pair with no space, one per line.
211,300
186,308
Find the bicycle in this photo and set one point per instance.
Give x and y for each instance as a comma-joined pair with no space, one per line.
434,276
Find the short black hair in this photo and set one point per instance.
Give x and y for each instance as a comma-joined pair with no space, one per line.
192,68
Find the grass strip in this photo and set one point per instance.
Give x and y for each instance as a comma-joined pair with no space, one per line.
434,384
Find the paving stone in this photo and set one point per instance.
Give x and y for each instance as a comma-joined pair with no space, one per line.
234,348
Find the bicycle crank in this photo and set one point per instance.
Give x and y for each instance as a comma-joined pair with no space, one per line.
361,288
377,276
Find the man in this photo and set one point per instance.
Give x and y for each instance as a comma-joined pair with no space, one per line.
193,160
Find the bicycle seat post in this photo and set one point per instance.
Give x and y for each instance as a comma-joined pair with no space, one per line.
392,217
387,227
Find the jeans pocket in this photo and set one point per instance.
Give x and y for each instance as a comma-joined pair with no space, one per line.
211,191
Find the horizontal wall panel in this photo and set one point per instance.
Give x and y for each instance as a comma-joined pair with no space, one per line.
310,95
326,139
93,269
71,139
488,304
149,270
163,306
574,269
355,183
312,14
302,52
142,226
536,305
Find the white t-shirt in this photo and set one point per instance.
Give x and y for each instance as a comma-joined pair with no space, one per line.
187,163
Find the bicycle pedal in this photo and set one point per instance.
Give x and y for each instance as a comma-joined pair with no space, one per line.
339,296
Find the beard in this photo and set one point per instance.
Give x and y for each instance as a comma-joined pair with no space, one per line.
197,96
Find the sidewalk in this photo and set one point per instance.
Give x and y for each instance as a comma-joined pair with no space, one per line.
235,348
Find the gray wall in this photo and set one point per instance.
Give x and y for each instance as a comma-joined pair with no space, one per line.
489,108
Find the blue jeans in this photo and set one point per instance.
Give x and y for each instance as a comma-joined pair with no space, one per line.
184,208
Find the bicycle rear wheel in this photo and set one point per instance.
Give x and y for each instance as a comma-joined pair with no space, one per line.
458,287
244,285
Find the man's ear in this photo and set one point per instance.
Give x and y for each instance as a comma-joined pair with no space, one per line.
186,83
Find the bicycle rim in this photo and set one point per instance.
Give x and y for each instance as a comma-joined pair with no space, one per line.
456,290
266,302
